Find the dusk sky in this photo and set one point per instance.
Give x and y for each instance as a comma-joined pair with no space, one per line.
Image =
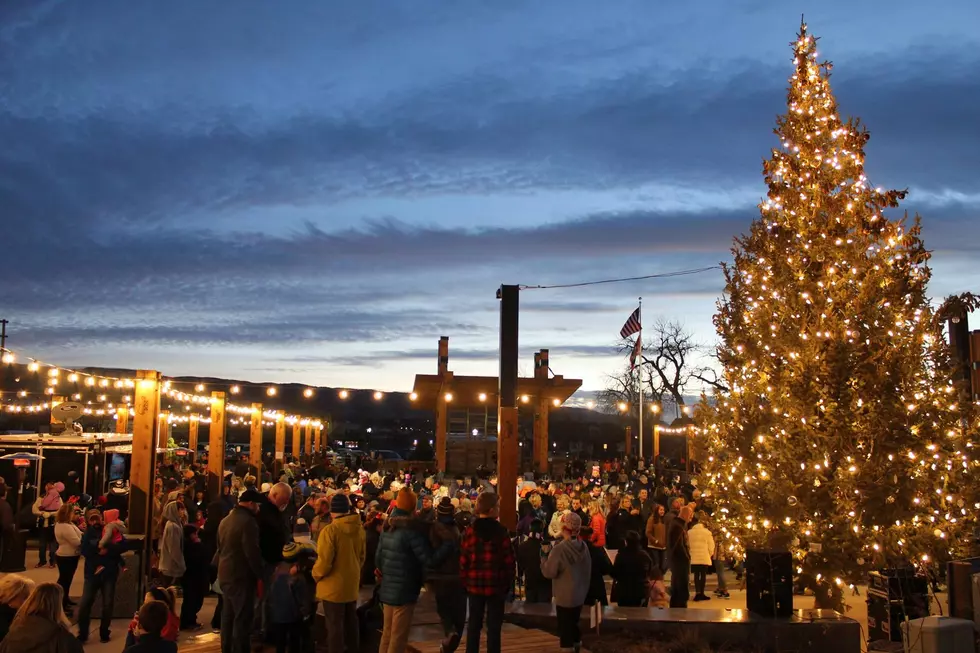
316,191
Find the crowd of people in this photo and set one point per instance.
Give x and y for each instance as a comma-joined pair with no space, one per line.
280,551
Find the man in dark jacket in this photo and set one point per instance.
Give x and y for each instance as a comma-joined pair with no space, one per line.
403,555
240,567
601,567
486,566
274,533
101,572
679,551
537,588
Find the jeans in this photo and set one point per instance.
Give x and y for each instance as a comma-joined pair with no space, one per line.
107,586
343,629
398,621
451,608
700,578
720,573
493,608
67,566
48,545
659,557
680,580
569,633
194,592
237,615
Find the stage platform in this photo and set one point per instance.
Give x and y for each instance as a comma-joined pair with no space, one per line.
815,631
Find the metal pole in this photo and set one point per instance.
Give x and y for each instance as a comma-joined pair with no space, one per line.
507,421
639,370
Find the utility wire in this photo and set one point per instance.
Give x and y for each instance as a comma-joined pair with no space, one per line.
663,275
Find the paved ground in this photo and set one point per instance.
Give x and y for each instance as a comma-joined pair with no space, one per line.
857,607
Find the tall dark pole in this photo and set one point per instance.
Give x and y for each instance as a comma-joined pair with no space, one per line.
507,443
959,340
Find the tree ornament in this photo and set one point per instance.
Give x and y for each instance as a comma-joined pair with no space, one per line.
792,500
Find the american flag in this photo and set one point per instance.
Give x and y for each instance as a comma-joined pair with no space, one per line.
632,325
635,354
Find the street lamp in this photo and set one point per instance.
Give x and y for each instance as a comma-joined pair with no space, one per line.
623,407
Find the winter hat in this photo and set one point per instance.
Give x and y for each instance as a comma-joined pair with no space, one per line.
92,512
250,496
266,487
406,500
445,508
339,504
301,527
571,523
291,550
111,515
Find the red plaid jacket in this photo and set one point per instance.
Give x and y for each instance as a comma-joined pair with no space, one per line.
487,563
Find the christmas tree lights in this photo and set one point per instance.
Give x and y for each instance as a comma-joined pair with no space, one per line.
843,438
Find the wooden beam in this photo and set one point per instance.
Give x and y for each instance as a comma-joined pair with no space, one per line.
629,440
216,446
541,416
193,425
508,451
163,429
308,441
297,442
279,456
146,424
255,440
316,440
122,419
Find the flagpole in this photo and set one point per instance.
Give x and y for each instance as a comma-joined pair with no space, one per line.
639,375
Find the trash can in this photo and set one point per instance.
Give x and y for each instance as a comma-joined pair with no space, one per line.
14,551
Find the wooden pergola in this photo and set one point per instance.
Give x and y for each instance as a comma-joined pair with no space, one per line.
438,392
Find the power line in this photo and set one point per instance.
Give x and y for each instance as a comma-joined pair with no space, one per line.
662,275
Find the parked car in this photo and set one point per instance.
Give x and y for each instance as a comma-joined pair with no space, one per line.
387,454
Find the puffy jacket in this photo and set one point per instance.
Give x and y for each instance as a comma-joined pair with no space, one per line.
172,542
340,552
702,544
402,557
598,526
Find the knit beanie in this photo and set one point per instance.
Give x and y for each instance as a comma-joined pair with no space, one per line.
339,504
291,550
406,500
445,508
572,523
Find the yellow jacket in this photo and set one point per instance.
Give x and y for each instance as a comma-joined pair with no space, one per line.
340,552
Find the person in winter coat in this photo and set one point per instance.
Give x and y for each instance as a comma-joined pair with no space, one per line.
537,588
601,567
402,557
45,508
69,539
172,565
292,599
656,536
597,523
569,565
702,546
487,567
631,573
14,590
102,566
372,536
679,554
675,507
240,567
41,625
197,577
341,552
555,526
443,580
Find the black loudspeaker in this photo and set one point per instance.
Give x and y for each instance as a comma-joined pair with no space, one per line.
769,582
13,550
894,594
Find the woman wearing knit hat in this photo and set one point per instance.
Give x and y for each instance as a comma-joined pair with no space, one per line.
569,566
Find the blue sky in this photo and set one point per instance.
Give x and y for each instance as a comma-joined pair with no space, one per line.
315,192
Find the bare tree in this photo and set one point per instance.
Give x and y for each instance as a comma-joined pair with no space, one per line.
672,364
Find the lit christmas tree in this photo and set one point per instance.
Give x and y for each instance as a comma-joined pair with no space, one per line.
841,438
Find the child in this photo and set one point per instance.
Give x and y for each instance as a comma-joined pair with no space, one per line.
658,591
114,530
292,598
152,618
569,566
171,627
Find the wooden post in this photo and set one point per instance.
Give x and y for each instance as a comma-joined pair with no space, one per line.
163,429
255,441
442,405
146,422
122,419
279,456
308,441
192,431
216,446
297,443
56,400
656,442
629,440
316,440
508,452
